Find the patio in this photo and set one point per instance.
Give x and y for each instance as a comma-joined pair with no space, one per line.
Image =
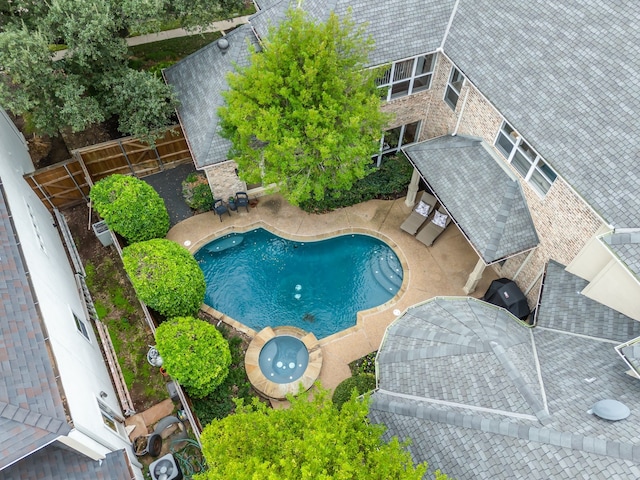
439,270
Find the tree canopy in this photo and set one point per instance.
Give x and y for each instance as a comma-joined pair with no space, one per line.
311,440
165,276
93,81
195,353
305,113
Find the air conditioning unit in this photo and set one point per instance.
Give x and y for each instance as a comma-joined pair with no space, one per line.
103,233
165,468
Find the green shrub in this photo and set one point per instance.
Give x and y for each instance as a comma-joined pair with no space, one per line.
220,403
131,208
197,192
362,383
195,353
165,276
387,182
366,364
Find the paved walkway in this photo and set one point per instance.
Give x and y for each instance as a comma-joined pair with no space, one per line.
428,271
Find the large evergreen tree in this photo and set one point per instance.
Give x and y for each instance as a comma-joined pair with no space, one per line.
305,114
93,81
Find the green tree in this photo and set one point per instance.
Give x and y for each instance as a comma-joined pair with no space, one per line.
93,81
195,353
310,440
131,207
165,276
305,114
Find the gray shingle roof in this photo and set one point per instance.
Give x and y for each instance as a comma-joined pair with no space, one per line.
199,81
563,307
449,408
626,245
483,199
566,75
56,462
31,409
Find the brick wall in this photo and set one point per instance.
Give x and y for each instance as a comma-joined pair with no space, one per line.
563,220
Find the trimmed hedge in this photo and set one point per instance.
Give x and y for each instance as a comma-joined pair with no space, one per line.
195,353
387,182
165,276
362,383
130,207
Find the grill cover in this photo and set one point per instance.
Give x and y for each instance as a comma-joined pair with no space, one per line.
506,294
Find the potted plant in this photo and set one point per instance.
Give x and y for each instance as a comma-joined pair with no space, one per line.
232,203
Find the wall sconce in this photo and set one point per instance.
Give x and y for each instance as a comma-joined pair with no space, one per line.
103,394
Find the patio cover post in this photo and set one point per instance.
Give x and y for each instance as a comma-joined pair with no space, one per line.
474,277
412,190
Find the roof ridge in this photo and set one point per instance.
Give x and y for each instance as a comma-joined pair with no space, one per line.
388,402
502,216
32,418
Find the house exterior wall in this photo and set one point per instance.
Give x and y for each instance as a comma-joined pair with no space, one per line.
80,363
564,222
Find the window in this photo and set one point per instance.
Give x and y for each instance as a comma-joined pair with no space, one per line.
110,418
34,223
406,77
396,138
82,328
524,159
452,93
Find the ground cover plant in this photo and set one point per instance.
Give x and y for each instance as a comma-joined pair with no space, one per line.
387,182
197,192
119,309
221,402
195,353
165,276
131,207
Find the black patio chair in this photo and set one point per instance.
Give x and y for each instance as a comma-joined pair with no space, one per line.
242,200
220,208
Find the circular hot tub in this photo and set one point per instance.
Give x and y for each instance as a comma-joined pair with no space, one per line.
281,359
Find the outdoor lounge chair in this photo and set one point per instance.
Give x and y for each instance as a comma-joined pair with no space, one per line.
419,214
434,227
220,208
242,200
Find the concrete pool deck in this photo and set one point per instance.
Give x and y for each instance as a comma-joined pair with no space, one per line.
439,270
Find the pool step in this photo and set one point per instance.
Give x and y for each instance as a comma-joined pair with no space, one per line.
387,271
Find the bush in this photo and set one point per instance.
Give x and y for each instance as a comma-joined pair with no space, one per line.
130,207
220,402
387,182
197,192
195,353
165,276
362,383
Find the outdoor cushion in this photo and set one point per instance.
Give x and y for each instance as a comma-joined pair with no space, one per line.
423,209
440,219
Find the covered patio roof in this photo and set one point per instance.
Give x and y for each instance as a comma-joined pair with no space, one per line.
482,197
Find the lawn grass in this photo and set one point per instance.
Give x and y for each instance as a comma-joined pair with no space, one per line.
166,52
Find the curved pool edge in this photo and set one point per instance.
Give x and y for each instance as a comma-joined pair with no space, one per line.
360,316
280,390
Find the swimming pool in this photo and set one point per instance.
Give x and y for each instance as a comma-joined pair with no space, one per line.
260,279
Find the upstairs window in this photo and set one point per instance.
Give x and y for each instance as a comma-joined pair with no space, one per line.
36,229
80,325
406,77
524,159
454,86
395,138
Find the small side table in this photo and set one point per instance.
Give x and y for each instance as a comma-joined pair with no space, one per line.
233,206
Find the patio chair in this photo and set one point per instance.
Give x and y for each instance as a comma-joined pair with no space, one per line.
220,208
242,200
419,215
435,227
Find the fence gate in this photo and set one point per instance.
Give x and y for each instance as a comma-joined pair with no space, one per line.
68,183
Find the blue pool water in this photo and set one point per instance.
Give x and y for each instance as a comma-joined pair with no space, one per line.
283,359
260,279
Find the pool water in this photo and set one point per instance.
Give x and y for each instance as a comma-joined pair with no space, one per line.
260,279
283,359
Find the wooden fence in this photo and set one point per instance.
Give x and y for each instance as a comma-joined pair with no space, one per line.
68,183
